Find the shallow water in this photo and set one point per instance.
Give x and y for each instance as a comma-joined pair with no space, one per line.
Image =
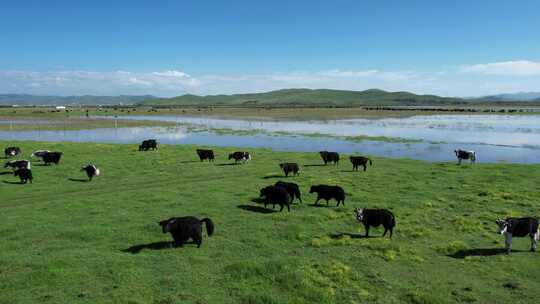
181,135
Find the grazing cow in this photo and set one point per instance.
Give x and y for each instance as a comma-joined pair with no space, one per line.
91,171
276,195
462,154
375,218
360,161
184,228
332,157
39,153
519,227
290,167
51,157
12,151
148,144
24,174
18,164
205,154
240,156
329,192
292,189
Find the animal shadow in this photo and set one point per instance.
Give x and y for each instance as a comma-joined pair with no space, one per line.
461,254
13,183
275,176
315,165
322,205
6,172
189,161
152,246
257,209
82,180
339,235
227,164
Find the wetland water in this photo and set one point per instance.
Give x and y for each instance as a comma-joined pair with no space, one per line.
495,138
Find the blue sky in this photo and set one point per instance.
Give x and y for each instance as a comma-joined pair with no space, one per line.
166,48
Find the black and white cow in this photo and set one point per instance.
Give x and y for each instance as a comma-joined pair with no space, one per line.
24,174
518,227
462,154
329,157
205,154
18,164
289,167
51,157
148,144
375,218
39,153
12,151
91,171
240,156
360,161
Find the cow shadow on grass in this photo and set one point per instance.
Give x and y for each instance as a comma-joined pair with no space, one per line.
315,165
257,209
227,164
461,254
323,205
81,180
150,246
339,235
275,176
189,161
6,173
13,183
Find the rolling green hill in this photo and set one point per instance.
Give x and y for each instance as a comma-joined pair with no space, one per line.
309,97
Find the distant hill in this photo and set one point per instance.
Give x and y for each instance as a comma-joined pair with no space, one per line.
23,99
523,96
309,97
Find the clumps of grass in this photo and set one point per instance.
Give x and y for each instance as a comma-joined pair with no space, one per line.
420,297
344,240
466,225
451,248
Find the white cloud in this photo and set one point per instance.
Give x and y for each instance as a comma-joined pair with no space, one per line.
505,68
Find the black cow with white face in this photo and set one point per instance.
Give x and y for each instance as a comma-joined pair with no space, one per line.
91,171
12,151
518,227
462,154
240,156
375,218
18,164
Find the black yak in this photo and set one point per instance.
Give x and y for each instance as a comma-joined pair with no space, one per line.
276,195
329,192
240,156
329,157
24,174
18,164
289,167
375,218
91,171
148,144
518,227
462,154
185,228
292,189
51,157
205,154
39,153
12,151
360,161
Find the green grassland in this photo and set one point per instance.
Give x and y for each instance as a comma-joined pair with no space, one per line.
64,240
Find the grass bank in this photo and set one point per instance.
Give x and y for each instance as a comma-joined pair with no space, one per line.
69,241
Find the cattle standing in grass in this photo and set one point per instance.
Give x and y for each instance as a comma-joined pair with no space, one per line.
91,171
51,157
375,218
39,153
462,154
240,156
12,151
148,144
292,189
205,154
519,227
329,157
18,164
289,167
329,192
185,228
24,174
360,161
276,195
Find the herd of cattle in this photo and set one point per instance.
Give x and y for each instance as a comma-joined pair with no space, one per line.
281,193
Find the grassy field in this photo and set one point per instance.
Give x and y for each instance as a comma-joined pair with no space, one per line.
64,240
